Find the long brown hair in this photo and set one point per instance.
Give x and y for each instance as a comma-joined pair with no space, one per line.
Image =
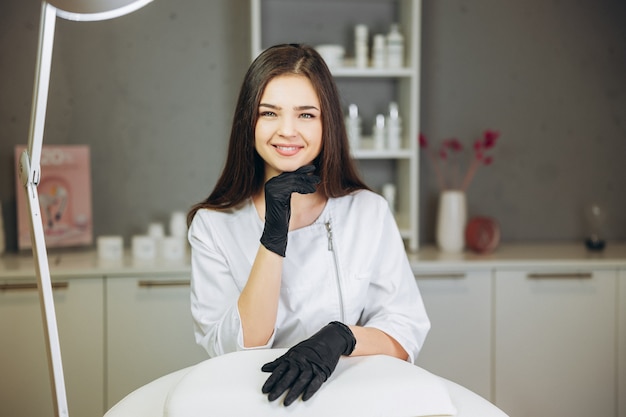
244,171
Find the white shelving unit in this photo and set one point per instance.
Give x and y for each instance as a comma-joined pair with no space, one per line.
372,89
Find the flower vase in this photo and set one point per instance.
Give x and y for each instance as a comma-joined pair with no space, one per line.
451,219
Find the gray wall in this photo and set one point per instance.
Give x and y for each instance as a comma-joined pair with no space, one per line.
152,93
551,76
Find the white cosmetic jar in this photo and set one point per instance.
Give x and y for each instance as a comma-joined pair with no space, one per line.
144,248
110,248
172,248
332,54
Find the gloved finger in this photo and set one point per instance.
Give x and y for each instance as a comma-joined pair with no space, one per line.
313,179
284,382
277,373
286,176
302,178
304,188
282,187
306,169
299,386
270,366
315,384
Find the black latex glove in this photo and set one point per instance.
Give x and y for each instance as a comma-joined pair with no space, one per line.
278,205
306,366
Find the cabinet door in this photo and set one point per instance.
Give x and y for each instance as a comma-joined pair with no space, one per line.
555,343
25,389
621,345
149,332
458,346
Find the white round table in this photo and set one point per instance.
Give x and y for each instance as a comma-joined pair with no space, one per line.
229,385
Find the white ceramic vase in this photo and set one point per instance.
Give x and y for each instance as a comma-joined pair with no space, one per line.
451,220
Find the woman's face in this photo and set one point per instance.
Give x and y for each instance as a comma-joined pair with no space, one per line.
288,132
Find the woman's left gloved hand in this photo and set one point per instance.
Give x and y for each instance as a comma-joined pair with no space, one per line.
304,368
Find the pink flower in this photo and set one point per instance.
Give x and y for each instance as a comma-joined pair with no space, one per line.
447,169
453,144
423,141
489,138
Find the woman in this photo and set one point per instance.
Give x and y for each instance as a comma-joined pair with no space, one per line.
291,249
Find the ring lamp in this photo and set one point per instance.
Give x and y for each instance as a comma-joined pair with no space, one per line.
30,170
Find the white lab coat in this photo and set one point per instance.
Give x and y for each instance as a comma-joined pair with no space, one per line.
350,265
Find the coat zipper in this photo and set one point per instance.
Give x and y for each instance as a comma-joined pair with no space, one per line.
329,232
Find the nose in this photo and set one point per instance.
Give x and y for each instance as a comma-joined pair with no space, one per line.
287,127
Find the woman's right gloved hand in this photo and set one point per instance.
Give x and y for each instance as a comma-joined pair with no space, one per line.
306,366
278,205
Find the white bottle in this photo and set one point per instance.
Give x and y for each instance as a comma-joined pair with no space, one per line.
353,126
178,224
361,51
395,47
394,127
156,230
379,52
379,133
389,193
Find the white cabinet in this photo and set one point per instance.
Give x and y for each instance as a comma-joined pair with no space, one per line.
555,342
458,346
324,22
25,389
548,340
621,345
149,332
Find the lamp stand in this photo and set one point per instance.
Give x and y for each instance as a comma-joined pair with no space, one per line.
30,174
30,164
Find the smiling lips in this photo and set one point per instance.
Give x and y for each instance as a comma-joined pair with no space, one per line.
287,150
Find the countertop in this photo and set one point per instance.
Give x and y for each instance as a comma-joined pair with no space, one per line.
85,263
526,255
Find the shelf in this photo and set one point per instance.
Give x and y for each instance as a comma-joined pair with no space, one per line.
382,154
371,72
372,89
366,151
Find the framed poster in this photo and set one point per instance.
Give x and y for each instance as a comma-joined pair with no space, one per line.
64,197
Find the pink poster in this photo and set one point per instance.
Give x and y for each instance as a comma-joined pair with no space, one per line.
64,197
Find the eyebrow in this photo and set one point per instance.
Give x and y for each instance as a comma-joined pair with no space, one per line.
299,108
